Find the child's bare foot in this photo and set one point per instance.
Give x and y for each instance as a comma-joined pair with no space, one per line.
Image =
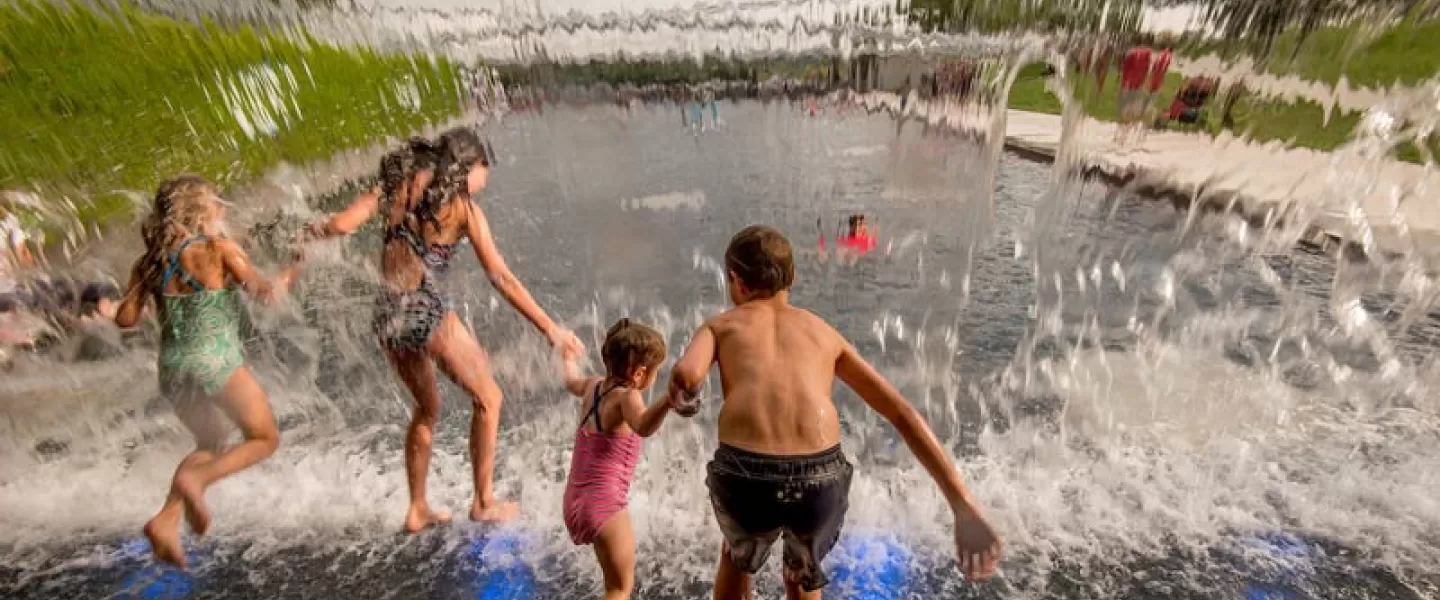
196,513
421,517
495,511
164,535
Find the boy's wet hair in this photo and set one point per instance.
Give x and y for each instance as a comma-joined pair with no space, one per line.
630,345
761,258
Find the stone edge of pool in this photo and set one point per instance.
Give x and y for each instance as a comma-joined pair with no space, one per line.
1265,184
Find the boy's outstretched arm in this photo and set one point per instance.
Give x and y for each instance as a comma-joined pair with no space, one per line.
976,543
689,372
645,421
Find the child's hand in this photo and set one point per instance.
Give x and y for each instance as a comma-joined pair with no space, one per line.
268,293
318,230
684,408
977,545
571,353
107,308
683,404
567,342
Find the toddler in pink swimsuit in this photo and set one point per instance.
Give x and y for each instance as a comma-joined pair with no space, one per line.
607,446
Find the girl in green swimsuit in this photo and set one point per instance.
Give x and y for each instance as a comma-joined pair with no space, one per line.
190,269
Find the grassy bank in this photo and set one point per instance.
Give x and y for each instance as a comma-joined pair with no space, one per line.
94,103
1406,53
1299,124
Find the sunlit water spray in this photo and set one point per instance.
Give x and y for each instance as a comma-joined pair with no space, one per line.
1173,391
1147,404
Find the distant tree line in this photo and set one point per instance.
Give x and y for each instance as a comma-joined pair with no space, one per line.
1255,25
1014,16
647,71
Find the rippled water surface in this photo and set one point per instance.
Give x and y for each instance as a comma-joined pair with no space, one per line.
1148,402
1175,412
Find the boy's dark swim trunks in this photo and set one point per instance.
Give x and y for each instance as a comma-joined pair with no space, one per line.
758,497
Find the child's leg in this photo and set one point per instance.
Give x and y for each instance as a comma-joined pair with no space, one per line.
246,404
793,591
615,549
466,363
210,427
418,373
731,583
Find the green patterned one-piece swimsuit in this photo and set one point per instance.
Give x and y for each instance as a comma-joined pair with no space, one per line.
200,333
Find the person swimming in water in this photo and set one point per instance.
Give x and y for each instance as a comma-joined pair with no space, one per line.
424,196
860,238
190,269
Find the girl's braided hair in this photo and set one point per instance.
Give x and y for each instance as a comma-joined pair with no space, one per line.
182,206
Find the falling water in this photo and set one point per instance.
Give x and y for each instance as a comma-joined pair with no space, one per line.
1148,402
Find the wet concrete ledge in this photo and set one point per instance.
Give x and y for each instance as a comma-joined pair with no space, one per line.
1267,185
1213,202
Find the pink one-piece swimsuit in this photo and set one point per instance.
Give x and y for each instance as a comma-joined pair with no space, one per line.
601,469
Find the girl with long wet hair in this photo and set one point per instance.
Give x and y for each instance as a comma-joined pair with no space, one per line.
191,269
424,195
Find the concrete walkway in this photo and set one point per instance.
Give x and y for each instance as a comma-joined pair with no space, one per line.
1397,204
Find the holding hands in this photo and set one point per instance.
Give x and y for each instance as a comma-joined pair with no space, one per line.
564,340
682,402
317,230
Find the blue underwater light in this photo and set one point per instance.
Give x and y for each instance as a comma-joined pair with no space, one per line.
496,557
1260,591
1283,546
1291,558
869,566
151,580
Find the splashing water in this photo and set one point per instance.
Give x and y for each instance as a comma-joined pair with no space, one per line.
1148,403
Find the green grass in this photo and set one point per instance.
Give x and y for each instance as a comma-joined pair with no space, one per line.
1030,93
1406,53
93,103
1368,55
1294,124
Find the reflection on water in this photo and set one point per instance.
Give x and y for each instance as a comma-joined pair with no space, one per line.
1149,402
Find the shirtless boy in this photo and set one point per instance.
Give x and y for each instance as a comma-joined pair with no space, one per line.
779,470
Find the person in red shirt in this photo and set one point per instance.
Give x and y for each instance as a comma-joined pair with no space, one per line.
1158,69
1133,70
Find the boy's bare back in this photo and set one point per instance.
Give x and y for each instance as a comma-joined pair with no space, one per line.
777,369
779,468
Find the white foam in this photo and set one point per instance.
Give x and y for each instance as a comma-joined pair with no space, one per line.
691,200
863,151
